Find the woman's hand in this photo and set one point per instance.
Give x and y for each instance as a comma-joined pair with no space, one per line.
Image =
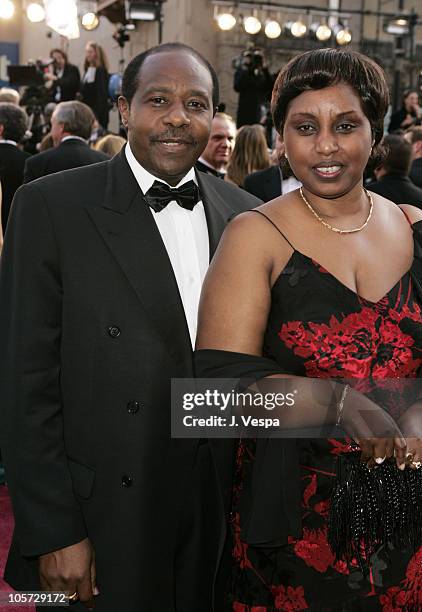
411,425
376,432
376,450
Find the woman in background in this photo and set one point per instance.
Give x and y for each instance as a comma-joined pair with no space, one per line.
94,86
250,154
110,144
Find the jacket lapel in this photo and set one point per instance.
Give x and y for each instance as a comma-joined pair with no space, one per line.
217,210
128,228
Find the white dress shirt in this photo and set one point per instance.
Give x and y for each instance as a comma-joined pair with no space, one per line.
185,236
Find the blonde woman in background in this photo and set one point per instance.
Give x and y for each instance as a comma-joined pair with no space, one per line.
110,144
250,154
94,86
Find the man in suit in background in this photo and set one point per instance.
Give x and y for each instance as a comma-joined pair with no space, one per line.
220,146
267,184
100,280
71,125
13,125
392,175
414,136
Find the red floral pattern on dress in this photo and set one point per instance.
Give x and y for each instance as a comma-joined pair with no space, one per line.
289,598
363,345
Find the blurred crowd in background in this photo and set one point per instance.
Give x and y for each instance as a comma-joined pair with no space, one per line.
64,124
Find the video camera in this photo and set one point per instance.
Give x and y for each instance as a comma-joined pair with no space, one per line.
251,58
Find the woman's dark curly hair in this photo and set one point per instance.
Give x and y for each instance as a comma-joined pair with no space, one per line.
324,67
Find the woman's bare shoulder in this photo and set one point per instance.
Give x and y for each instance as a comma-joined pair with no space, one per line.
413,213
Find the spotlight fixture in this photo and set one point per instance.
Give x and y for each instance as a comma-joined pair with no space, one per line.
322,32
142,11
35,12
226,21
296,28
399,25
7,9
62,17
252,25
272,29
343,35
90,21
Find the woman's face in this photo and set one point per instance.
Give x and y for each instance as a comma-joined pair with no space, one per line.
328,140
90,54
411,100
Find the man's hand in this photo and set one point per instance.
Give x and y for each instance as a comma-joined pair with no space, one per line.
70,569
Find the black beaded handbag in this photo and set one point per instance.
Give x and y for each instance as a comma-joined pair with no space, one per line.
374,506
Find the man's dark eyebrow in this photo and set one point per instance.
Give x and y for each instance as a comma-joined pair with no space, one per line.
168,90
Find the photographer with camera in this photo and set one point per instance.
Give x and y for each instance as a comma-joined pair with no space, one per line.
253,82
63,79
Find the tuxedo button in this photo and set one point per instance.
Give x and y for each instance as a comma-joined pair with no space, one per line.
133,407
127,481
114,331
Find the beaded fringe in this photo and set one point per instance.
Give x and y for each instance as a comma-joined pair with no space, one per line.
373,507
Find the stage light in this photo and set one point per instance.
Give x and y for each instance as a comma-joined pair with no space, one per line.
272,29
343,35
7,9
90,21
296,28
35,12
62,17
252,25
323,33
398,26
226,21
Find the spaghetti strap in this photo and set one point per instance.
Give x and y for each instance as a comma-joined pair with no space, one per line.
272,223
405,214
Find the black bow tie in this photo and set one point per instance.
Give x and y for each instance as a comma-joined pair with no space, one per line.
160,194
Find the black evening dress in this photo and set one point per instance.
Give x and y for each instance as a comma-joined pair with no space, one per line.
317,327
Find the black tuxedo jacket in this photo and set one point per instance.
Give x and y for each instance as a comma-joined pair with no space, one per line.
265,184
415,174
12,163
398,189
71,153
92,329
69,83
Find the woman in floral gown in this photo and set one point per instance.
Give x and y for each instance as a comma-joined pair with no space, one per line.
323,283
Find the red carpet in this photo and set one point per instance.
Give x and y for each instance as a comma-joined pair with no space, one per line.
6,527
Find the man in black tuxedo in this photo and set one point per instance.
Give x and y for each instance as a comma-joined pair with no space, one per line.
393,180
64,80
268,184
217,153
100,280
265,184
71,125
13,125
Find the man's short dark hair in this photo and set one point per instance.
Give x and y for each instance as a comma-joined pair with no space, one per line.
415,133
398,155
14,121
325,67
76,117
131,74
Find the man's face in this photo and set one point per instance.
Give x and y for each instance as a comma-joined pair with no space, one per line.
169,118
220,144
57,130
